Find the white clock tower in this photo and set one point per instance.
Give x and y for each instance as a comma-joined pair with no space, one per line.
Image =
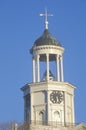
48,101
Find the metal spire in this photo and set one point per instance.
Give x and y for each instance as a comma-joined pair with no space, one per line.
46,18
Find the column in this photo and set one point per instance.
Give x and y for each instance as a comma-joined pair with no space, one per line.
48,108
38,69
34,76
61,63
31,108
73,113
47,60
65,109
57,68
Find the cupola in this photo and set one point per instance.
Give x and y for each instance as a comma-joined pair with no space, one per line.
47,49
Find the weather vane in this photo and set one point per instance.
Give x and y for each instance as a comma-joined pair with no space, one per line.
46,18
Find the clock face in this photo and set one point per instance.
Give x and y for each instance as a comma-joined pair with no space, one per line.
56,97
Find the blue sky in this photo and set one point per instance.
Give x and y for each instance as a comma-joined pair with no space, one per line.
20,26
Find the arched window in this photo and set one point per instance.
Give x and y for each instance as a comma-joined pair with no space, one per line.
57,117
57,113
41,113
41,117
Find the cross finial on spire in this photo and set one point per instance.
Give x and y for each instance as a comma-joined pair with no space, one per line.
46,18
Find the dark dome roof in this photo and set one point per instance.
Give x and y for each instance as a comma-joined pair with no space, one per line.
46,39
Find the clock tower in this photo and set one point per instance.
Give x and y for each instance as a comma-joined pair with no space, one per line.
48,100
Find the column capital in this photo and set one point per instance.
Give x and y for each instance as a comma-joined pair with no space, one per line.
37,56
47,54
60,56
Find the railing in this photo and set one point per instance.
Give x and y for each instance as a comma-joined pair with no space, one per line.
8,126
53,123
23,126
26,126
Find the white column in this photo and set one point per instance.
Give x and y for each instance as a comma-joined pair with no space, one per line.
38,69
31,107
34,76
73,113
61,63
48,107
65,109
57,68
47,60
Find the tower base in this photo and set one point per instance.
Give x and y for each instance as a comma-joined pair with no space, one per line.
47,127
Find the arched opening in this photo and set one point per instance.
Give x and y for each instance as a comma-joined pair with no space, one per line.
57,117
41,117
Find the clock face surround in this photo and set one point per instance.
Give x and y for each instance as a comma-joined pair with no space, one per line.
56,97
